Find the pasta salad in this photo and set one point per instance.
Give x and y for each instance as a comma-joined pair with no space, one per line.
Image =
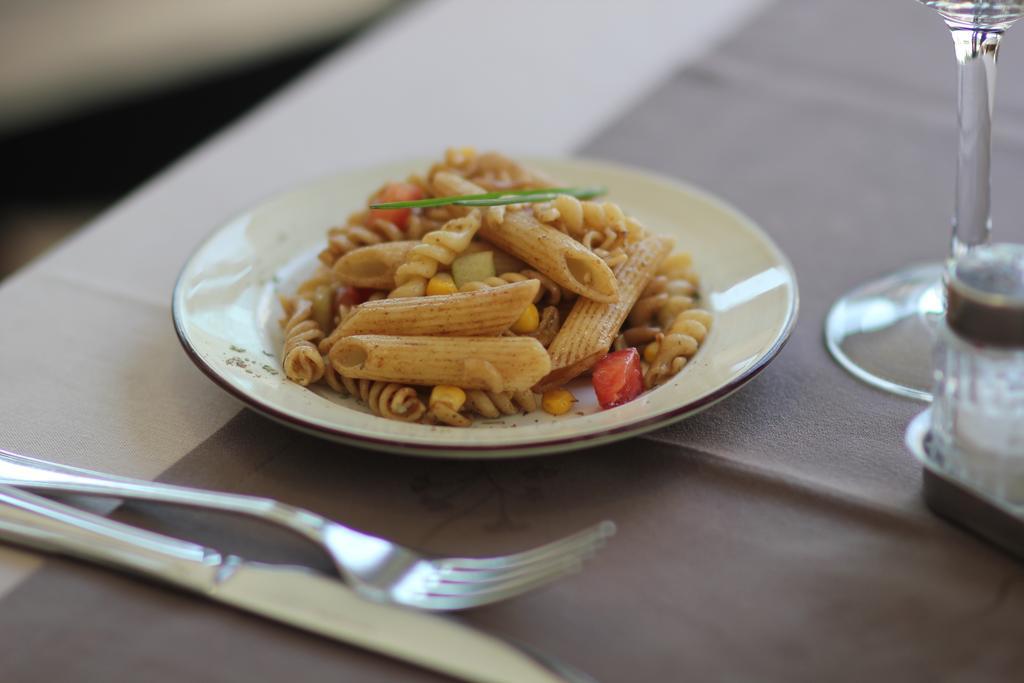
482,288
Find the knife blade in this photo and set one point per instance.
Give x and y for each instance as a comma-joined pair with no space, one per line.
296,596
326,606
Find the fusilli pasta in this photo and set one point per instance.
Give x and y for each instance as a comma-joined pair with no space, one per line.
362,230
333,379
547,328
490,170
674,348
597,225
387,399
436,248
302,360
491,404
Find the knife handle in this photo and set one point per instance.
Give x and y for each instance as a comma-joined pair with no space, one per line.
40,475
35,522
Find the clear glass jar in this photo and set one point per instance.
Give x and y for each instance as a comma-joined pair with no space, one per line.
978,405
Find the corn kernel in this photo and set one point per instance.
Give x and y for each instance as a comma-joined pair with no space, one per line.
528,321
442,283
445,394
651,351
557,401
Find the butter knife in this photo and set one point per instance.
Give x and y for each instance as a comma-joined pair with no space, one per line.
295,596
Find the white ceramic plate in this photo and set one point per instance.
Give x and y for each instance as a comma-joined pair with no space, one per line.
226,312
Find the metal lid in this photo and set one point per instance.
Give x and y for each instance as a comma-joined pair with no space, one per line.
985,295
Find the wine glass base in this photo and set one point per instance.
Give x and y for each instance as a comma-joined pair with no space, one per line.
883,332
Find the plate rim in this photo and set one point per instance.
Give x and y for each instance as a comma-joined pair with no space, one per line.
494,451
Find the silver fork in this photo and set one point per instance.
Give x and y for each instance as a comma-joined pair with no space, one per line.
374,567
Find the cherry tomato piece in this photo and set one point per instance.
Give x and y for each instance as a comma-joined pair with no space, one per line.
396,192
617,378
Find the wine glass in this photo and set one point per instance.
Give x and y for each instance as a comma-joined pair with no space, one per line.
882,332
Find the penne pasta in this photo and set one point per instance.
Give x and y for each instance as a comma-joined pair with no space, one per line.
485,312
591,326
554,254
493,363
374,266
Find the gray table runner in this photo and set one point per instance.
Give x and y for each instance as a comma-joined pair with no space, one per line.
778,536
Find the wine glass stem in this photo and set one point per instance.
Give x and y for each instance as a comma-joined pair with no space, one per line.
976,52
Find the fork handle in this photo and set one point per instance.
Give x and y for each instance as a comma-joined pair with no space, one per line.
40,475
34,522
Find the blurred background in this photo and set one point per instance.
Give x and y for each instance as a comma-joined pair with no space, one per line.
96,96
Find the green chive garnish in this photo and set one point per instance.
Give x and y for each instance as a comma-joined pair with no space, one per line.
498,198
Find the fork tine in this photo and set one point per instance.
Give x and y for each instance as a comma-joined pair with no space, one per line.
592,537
483,578
476,581
466,596
437,583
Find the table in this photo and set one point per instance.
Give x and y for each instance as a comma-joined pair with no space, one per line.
778,536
